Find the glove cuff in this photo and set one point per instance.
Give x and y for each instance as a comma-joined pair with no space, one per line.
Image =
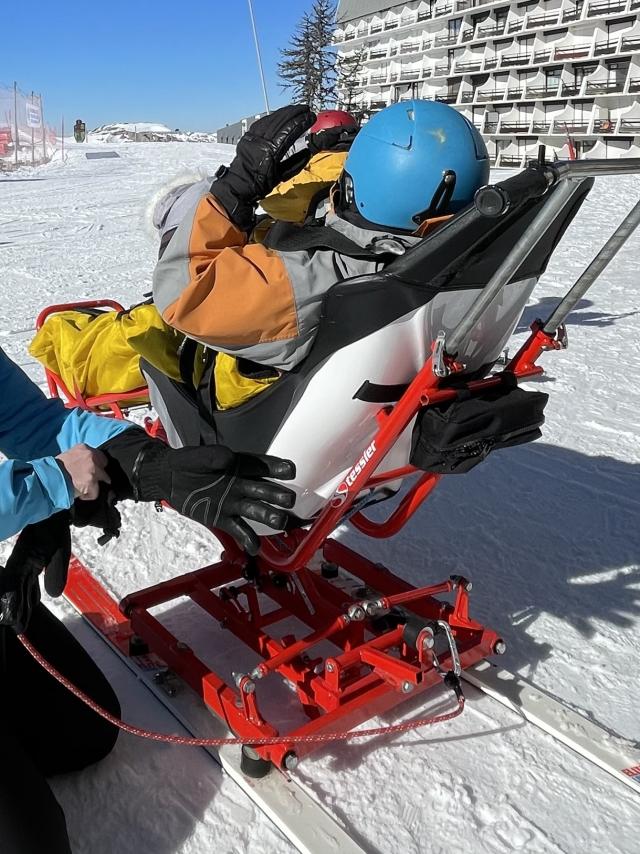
238,202
150,476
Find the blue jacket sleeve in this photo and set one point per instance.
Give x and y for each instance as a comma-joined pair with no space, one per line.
33,431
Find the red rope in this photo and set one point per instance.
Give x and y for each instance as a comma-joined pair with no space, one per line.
219,742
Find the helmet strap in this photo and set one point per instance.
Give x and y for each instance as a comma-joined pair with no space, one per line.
441,198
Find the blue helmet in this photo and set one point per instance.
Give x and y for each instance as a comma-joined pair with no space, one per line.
401,163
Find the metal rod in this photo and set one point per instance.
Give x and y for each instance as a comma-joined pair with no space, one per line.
597,168
260,68
608,252
15,122
511,264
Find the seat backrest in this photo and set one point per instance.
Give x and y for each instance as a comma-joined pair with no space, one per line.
378,329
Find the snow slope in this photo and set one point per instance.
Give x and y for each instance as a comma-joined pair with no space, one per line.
549,533
148,131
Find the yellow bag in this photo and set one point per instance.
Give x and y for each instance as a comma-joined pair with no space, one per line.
101,355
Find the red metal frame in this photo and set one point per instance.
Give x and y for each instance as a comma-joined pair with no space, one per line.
373,663
114,405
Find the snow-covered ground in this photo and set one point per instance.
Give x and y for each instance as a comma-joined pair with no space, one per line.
549,533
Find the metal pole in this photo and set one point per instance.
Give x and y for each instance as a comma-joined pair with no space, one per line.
15,122
33,139
44,136
608,252
260,68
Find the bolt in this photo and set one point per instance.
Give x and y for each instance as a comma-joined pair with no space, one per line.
500,647
249,687
407,687
329,667
290,761
469,586
428,640
356,613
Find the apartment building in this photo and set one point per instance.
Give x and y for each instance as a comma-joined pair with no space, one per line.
565,73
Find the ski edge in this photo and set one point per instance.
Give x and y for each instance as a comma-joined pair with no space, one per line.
590,740
302,820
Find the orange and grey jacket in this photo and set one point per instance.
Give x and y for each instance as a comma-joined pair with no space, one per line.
246,299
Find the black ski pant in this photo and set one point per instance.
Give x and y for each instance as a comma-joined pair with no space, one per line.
45,730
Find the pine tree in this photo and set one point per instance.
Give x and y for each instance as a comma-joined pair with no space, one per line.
307,67
348,70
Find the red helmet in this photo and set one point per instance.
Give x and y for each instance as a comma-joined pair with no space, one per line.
333,119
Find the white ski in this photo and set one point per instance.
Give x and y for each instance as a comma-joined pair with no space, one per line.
613,754
299,817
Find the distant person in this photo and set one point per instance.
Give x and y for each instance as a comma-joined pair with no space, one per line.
80,131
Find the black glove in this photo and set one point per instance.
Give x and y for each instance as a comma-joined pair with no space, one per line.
332,139
42,546
209,484
258,166
100,513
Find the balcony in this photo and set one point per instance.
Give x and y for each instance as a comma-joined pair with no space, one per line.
489,64
489,95
540,56
446,9
467,36
535,21
489,32
570,89
630,126
515,26
604,87
490,127
574,51
608,7
410,48
377,105
378,78
515,94
515,59
540,127
630,44
570,15
537,93
604,126
375,28
514,127
441,41
379,53
634,84
604,48
423,16
467,97
511,159
410,75
441,70
570,126
447,99
467,67
391,25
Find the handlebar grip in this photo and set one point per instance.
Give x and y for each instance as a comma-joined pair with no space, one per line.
495,200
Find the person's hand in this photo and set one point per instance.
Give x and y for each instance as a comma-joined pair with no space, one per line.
332,139
101,513
87,469
45,545
260,163
218,488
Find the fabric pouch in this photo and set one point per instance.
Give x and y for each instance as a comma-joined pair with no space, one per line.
453,437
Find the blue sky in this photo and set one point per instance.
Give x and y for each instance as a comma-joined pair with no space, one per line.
188,63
